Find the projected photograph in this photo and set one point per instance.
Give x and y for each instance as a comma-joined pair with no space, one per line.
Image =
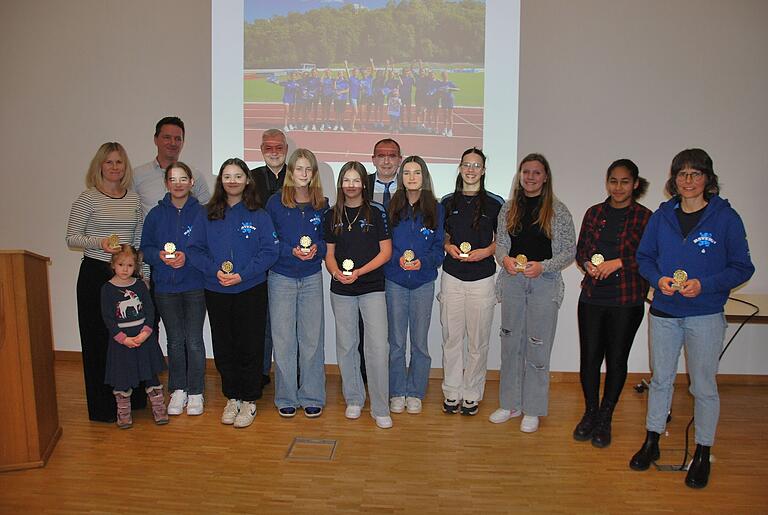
337,76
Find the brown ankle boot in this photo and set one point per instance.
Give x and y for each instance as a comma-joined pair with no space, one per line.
156,399
123,400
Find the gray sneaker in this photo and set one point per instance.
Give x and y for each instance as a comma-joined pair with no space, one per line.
246,415
230,412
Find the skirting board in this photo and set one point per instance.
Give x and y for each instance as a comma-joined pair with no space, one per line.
493,375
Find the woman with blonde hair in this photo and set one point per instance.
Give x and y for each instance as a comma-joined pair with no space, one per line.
104,216
535,242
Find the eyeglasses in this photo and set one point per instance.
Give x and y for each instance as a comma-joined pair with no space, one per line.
471,166
694,176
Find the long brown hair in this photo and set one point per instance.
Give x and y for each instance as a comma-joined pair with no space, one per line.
546,209
482,195
427,203
217,206
288,195
338,208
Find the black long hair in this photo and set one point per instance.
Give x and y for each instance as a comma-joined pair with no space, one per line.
217,206
482,196
634,171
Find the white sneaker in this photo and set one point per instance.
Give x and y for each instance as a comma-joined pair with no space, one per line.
413,405
230,412
353,412
177,403
530,424
195,404
383,422
501,415
397,404
286,129
314,127
247,412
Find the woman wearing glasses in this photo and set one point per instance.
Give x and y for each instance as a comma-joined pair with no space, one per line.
467,296
694,252
535,243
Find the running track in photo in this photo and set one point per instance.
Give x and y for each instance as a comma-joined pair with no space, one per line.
337,146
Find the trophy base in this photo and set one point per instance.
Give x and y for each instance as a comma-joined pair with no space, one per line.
347,273
520,268
464,255
170,256
305,251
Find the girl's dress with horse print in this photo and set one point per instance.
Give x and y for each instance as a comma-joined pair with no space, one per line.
126,311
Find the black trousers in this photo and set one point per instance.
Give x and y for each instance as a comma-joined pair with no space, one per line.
93,342
237,331
606,333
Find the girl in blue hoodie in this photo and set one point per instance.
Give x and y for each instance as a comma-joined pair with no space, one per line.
694,252
296,288
233,244
417,252
178,288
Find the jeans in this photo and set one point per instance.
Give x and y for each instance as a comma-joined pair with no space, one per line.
296,309
703,338
373,308
528,321
409,310
466,311
183,316
237,332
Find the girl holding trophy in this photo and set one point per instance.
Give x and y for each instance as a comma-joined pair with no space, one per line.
296,288
233,244
536,241
417,253
357,233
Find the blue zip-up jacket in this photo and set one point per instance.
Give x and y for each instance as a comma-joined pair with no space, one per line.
167,223
715,252
427,244
290,225
246,238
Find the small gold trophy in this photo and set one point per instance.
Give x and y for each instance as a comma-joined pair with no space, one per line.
170,250
113,242
465,247
227,267
521,262
348,265
408,257
305,242
596,259
678,278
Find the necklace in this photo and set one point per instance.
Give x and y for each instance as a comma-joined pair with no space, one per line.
349,224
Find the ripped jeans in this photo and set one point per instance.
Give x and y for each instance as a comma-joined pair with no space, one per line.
528,320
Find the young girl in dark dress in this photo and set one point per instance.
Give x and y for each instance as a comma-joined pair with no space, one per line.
133,354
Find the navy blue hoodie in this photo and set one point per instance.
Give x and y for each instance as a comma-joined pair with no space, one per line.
246,238
427,244
167,223
715,252
290,225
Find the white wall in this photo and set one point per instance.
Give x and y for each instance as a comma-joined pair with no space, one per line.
599,80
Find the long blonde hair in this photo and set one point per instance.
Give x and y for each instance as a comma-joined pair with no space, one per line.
93,178
288,195
546,208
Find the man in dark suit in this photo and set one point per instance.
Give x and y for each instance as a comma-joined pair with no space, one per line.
386,159
269,180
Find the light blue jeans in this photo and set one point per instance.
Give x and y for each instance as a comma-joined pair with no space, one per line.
409,310
183,315
296,309
528,322
702,337
373,308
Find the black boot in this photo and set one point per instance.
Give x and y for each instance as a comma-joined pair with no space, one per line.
586,426
648,452
698,470
601,436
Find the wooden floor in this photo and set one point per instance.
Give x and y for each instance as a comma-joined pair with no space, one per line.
427,463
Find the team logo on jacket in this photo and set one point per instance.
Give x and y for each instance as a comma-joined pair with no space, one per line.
426,232
704,241
188,230
247,228
316,220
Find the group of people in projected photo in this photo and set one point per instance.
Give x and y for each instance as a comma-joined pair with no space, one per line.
413,99
251,255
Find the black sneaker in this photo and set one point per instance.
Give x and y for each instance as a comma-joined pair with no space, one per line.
450,406
287,412
469,408
313,411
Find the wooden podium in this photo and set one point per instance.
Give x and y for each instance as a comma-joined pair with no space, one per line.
29,419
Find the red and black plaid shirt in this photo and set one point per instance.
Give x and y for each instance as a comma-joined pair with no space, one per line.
632,288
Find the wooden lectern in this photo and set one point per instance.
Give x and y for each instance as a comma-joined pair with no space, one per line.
29,418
